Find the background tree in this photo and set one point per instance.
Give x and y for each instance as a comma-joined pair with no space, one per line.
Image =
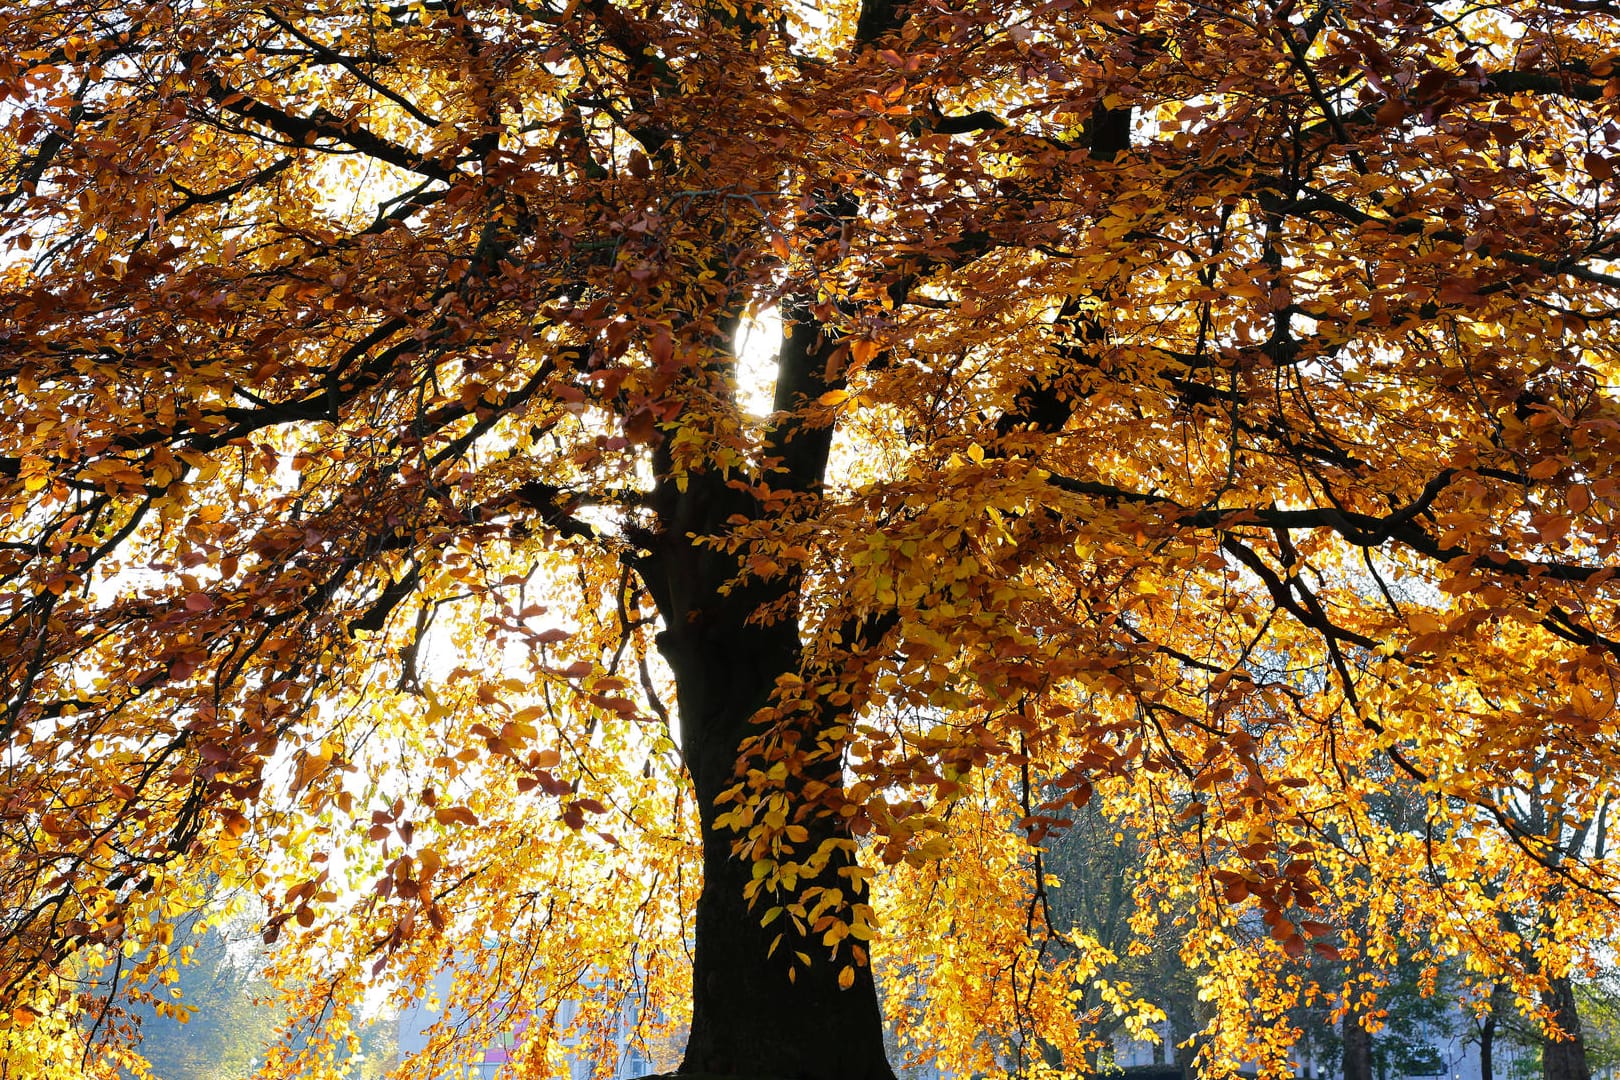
229,1012
1219,400
1600,1022
1097,868
228,1018
1417,1013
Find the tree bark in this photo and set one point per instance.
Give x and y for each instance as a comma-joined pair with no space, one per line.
1358,1063
1487,1037
1564,1059
749,1019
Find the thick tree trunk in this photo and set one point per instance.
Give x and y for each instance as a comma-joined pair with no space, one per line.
1564,1059
749,1019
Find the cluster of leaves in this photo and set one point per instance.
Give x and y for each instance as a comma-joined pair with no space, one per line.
1213,407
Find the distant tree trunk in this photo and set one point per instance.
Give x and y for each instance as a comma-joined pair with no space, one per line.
1358,1063
1198,1017
1487,1032
1487,1036
1184,1061
1565,1058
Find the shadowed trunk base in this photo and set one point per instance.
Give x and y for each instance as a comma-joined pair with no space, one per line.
1565,1059
750,1021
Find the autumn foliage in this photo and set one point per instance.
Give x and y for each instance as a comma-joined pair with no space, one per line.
571,492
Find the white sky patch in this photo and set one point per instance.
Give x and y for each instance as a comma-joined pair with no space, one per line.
758,340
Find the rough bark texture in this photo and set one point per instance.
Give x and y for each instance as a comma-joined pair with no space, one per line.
1564,1059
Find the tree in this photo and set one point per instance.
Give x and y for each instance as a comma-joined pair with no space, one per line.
229,1012
1220,398
224,1028
1563,1053
1096,865
1419,1005
1597,1008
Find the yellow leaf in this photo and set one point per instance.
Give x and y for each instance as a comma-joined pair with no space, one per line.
1587,704
1422,622
862,349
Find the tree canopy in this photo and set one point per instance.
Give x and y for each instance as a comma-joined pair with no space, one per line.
576,492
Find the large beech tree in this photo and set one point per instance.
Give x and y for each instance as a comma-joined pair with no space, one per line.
538,487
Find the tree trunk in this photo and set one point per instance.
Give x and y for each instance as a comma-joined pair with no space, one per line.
1185,1056
1565,1058
1487,1036
1358,1063
1487,1031
748,1018
1188,1026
